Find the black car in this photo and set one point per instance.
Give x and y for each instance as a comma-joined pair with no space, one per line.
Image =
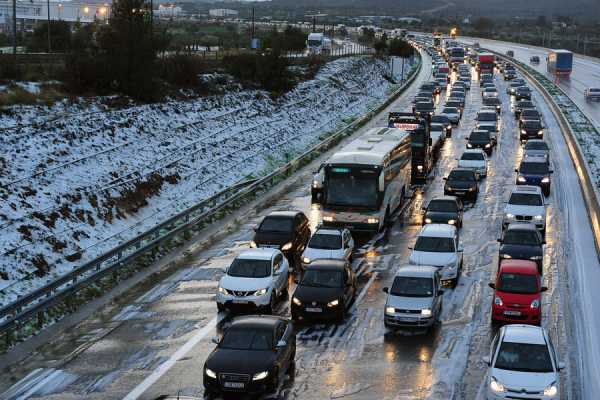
462,182
529,115
481,139
522,241
253,356
509,75
456,103
426,93
444,210
424,109
493,102
442,119
523,93
531,129
326,290
287,231
522,105
535,171
460,99
431,87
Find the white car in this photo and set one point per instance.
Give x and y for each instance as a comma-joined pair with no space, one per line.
437,245
523,365
329,243
592,94
452,113
256,278
526,204
475,159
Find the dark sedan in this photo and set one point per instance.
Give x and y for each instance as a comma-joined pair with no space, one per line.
442,119
535,171
481,139
493,102
531,129
253,356
444,210
523,93
326,290
462,182
529,115
522,241
523,105
424,109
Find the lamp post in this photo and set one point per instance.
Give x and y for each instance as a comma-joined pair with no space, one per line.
14,26
48,9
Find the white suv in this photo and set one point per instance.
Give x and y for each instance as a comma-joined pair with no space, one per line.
256,278
526,204
522,365
474,159
329,243
437,245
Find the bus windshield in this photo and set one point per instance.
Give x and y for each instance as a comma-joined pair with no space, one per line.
352,187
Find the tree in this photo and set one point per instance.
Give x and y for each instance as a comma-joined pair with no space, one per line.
483,24
60,37
400,48
380,46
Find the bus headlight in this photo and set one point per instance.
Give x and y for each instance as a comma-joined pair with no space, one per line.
427,220
372,220
328,218
287,246
419,167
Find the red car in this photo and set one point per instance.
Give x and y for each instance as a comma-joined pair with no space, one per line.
517,293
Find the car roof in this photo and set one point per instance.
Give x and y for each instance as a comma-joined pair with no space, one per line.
438,230
525,267
284,214
444,198
462,169
327,264
521,226
529,189
524,334
474,151
530,158
329,231
534,141
260,253
256,321
417,271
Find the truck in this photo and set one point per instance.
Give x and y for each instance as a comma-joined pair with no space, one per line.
457,56
422,155
485,63
560,62
317,43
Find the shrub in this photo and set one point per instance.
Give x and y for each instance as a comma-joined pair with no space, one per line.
269,70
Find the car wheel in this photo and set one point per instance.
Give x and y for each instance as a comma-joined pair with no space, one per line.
220,307
272,303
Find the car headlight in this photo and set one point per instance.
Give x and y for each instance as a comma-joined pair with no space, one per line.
535,304
426,312
538,217
333,303
261,292
328,218
540,132
260,375
469,145
505,256
427,220
471,189
521,179
496,386
498,301
210,373
372,220
253,244
535,258
545,179
390,310
523,131
315,184
451,221
449,126
487,146
296,301
286,246
509,216
222,291
419,167
306,260
551,390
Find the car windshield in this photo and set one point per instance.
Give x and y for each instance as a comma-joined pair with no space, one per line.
247,339
274,224
518,283
533,145
325,241
247,268
463,176
523,89
491,101
486,116
442,206
525,104
530,114
436,127
533,124
521,237
490,90
453,104
422,106
322,278
536,168
526,199
441,119
405,286
450,110
472,156
435,244
524,357
480,136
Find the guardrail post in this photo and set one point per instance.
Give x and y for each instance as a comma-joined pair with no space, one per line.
9,337
40,319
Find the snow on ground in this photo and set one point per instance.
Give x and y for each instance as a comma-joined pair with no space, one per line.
76,180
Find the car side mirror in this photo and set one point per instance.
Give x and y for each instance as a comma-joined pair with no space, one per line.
216,340
561,365
255,228
461,249
445,178
543,242
411,248
440,292
516,170
551,171
492,285
281,344
543,289
486,359
296,280
386,290
499,240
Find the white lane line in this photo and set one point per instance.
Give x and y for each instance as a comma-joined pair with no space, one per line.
167,365
364,290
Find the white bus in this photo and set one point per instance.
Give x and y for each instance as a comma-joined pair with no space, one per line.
367,180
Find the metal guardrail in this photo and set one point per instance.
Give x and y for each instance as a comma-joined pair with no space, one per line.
37,303
564,109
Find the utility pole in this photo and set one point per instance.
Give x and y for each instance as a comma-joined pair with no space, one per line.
48,9
252,22
14,26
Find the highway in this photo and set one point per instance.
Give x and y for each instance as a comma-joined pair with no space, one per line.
154,340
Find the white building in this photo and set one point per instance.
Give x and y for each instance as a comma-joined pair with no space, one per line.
37,10
222,13
168,11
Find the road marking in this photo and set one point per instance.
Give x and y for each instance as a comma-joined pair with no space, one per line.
364,290
167,365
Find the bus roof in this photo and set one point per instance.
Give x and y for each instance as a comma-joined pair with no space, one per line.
371,148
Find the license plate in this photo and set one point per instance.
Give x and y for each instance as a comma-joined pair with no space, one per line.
234,385
240,302
314,309
405,319
515,313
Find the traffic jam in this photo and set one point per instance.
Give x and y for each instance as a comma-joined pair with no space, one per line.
361,191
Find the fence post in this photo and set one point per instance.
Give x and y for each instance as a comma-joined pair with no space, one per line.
40,319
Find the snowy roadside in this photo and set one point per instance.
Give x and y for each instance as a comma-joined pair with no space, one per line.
76,187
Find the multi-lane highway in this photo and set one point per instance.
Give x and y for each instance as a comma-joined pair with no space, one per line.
154,340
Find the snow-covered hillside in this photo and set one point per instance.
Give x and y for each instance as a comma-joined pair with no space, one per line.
77,186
